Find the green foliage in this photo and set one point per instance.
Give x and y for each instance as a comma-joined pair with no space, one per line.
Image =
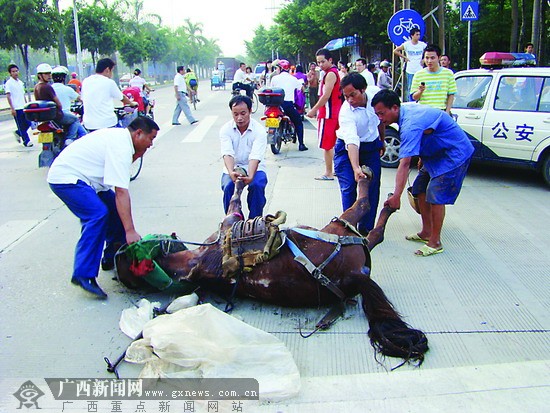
99,28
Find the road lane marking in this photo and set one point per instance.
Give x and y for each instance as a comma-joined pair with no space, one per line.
15,231
199,131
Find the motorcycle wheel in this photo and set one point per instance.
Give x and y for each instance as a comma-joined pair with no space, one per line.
135,169
276,147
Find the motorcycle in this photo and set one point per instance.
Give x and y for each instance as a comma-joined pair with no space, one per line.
279,126
50,133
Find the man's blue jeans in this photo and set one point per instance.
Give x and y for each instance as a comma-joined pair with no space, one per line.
369,155
23,125
100,223
71,122
256,193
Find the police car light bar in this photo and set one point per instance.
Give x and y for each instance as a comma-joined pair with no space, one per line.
500,59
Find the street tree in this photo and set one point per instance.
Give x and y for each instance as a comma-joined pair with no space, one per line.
27,24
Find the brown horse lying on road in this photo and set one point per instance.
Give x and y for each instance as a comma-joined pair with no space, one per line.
308,271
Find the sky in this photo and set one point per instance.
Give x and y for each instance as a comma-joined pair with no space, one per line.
229,21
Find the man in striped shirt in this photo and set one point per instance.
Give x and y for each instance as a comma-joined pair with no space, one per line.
434,85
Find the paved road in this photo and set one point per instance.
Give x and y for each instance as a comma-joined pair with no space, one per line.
484,303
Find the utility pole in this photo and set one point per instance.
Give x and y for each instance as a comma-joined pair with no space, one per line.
77,38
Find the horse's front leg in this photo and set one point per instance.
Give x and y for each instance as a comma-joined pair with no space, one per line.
362,205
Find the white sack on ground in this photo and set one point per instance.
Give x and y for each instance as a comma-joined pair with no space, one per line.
133,319
203,341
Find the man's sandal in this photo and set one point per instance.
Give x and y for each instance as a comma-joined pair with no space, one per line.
415,237
426,251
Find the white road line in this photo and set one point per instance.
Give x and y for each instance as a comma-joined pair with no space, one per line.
200,131
13,232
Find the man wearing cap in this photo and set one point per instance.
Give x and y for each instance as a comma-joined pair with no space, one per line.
384,77
44,91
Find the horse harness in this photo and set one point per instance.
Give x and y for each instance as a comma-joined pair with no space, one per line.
317,271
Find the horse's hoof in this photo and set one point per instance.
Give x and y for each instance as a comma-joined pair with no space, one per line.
240,171
367,171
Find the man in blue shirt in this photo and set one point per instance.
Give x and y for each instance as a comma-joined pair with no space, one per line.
445,153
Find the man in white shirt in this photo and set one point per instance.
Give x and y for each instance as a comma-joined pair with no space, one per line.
360,142
98,93
243,145
289,84
66,95
361,67
15,93
82,177
413,58
180,89
239,81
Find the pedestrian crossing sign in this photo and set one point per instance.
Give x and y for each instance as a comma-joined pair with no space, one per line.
469,10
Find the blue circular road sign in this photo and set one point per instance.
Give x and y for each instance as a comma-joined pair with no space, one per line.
401,23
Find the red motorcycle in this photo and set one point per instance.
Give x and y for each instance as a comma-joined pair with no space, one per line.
50,134
279,126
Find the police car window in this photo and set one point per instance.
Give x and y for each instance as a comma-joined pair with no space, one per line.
544,98
471,91
518,93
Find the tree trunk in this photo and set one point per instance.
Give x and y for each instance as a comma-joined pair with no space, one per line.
521,39
514,30
61,50
24,49
441,20
536,32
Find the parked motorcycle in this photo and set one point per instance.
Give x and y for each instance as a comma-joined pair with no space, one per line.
279,126
50,133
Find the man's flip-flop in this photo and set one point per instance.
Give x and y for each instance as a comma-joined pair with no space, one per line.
415,237
324,178
426,251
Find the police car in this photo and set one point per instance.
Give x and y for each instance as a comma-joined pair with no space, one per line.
505,111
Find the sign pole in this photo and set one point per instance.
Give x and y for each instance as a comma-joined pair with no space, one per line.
469,44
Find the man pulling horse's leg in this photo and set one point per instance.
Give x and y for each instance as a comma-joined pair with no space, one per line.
388,333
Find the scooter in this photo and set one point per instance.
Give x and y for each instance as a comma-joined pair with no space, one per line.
279,126
50,134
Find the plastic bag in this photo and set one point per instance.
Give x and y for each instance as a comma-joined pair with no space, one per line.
203,341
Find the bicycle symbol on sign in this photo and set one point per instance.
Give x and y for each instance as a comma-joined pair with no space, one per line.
405,26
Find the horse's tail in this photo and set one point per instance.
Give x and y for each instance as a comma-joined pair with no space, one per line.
388,333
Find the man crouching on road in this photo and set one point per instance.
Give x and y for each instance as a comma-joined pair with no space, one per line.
82,177
243,145
445,151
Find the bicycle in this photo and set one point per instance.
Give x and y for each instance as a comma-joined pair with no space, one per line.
194,99
237,91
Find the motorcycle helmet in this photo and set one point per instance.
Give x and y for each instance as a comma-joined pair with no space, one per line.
74,75
284,64
59,73
43,68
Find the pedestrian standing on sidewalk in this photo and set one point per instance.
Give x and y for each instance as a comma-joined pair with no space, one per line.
313,85
15,93
180,89
329,104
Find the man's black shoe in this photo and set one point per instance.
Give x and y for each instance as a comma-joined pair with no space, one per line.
302,147
107,264
90,285
176,123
